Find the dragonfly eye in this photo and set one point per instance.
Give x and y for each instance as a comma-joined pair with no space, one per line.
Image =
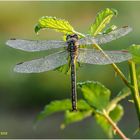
75,36
72,36
68,37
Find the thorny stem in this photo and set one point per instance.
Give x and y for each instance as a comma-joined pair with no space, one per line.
115,127
134,88
118,71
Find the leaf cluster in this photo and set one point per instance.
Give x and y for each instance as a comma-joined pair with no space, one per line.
96,100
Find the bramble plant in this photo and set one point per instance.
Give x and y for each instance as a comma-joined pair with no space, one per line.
96,100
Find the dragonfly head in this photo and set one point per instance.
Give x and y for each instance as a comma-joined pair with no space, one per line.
72,42
72,36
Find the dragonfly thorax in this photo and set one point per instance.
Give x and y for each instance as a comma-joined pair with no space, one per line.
72,41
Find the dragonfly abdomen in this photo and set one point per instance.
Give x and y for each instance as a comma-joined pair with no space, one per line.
73,81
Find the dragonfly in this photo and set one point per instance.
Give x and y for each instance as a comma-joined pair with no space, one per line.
71,49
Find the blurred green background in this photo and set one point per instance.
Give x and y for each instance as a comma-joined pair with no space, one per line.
23,96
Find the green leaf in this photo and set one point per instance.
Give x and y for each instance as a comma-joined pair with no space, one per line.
83,105
96,94
110,29
62,105
66,68
71,117
113,103
135,51
57,24
131,101
103,122
53,107
101,20
116,114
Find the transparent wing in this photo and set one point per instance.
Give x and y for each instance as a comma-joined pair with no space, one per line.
43,64
92,56
35,45
102,39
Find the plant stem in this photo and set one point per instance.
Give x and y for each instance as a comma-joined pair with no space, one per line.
115,127
118,71
134,88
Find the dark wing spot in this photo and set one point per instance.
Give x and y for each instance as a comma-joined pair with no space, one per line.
12,38
125,26
125,51
20,63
